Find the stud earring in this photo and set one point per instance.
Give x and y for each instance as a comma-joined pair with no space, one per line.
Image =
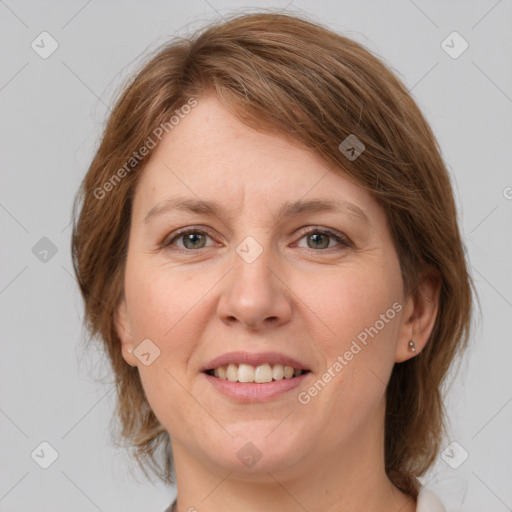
412,346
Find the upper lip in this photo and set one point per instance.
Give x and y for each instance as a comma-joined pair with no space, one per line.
254,359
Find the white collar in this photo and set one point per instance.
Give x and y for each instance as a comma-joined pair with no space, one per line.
427,501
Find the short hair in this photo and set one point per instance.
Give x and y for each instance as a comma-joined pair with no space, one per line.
298,79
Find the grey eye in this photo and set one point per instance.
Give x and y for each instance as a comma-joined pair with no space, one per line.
194,240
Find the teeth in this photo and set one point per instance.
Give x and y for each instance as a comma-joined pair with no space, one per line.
263,373
277,372
259,374
232,373
245,373
288,372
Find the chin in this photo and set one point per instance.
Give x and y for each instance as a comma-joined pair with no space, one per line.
258,451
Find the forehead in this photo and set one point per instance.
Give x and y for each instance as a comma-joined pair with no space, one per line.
211,155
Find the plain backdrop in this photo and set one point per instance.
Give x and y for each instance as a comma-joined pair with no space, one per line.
52,114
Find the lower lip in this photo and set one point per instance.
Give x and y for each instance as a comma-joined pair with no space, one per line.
252,392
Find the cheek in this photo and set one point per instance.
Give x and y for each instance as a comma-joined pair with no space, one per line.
361,309
160,300
353,302
163,307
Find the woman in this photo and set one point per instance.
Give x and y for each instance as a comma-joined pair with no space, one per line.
267,245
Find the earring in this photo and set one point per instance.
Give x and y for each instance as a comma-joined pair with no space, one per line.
130,350
412,346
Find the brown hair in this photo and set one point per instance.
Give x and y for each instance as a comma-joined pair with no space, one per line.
307,83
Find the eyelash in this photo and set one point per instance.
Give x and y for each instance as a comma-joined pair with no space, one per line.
341,239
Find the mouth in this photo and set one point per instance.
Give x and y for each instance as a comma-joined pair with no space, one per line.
249,374
249,377
255,384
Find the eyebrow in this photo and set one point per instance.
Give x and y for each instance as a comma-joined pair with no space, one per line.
288,209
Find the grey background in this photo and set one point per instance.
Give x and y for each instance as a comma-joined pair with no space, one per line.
52,113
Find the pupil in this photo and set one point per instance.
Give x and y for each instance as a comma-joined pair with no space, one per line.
315,240
193,239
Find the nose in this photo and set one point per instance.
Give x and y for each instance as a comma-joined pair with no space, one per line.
255,295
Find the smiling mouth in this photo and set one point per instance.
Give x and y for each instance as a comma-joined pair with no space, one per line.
260,374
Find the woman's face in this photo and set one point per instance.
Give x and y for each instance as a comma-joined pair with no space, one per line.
266,270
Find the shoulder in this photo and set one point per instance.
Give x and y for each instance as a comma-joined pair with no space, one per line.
427,501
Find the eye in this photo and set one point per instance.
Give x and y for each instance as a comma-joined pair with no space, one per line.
192,238
320,238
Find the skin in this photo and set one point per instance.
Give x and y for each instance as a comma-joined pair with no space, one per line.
304,296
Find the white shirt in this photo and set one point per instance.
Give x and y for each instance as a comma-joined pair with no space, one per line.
428,502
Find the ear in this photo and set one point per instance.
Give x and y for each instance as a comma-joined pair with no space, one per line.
419,316
123,330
